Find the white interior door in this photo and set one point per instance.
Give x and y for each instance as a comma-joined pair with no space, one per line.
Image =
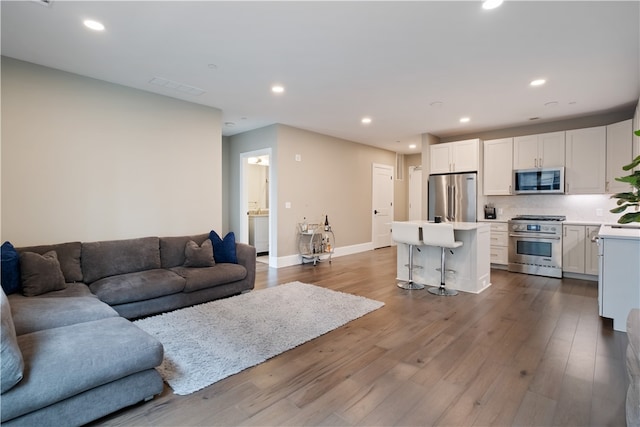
382,201
415,193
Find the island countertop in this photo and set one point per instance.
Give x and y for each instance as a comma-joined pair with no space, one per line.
461,226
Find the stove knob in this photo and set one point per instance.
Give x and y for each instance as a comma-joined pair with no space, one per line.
552,229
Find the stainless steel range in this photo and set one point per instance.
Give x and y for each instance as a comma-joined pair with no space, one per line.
535,244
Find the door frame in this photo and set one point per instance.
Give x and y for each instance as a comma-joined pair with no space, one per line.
244,200
373,191
412,183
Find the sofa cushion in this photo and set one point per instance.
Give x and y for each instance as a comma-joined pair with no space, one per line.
224,250
199,256
172,249
138,286
109,258
201,278
10,268
37,313
10,355
68,256
63,362
40,273
72,290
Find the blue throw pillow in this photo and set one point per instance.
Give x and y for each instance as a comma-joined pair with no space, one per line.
10,265
224,250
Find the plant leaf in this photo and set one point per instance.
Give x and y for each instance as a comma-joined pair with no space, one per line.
632,165
629,217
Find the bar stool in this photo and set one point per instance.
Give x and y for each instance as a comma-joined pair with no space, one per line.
409,234
440,234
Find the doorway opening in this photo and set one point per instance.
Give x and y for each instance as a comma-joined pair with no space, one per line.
255,204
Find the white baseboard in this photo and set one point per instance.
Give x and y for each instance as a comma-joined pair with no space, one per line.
286,261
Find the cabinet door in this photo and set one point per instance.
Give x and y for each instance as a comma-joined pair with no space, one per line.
551,149
585,157
465,155
573,248
440,158
591,250
498,166
525,152
619,154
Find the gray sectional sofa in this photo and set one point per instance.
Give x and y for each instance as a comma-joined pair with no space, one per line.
70,355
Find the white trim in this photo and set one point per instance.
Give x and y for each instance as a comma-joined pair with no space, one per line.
289,260
244,204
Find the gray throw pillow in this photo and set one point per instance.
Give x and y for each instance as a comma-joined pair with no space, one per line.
40,273
199,256
10,355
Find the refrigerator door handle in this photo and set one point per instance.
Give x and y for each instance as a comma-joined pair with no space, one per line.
453,203
448,210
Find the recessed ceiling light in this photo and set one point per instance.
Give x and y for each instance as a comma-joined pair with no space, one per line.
277,89
412,146
491,4
93,25
551,104
366,120
538,82
464,120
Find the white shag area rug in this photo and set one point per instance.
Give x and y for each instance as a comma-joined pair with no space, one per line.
206,343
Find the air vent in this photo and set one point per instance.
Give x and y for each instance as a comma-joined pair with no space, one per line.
180,87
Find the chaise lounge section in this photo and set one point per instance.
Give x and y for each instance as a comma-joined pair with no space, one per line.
69,353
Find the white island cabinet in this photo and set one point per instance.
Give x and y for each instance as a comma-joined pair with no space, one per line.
471,261
619,274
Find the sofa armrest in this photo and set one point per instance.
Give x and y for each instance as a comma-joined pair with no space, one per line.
247,257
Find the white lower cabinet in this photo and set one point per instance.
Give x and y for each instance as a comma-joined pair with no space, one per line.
499,243
579,253
259,232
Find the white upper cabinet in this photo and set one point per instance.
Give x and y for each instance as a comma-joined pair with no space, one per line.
539,151
498,170
619,154
459,156
585,160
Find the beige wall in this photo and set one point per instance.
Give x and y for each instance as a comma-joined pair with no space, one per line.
88,160
333,178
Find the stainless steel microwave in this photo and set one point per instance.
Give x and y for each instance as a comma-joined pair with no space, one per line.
538,181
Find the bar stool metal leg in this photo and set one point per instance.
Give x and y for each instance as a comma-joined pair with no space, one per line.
410,284
442,291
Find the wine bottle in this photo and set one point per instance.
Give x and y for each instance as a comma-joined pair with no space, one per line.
326,223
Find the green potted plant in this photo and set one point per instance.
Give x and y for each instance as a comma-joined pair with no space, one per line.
629,199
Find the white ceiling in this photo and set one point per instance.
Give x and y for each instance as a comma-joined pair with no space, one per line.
340,61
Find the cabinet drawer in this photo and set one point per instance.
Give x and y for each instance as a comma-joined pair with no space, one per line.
499,238
499,255
499,226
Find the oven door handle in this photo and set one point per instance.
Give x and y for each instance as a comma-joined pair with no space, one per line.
534,237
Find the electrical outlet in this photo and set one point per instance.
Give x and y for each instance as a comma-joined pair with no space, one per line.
298,158
598,212
287,205
500,211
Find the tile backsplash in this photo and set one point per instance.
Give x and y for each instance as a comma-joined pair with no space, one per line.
576,207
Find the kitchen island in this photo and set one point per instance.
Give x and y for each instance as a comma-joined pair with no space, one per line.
471,261
619,272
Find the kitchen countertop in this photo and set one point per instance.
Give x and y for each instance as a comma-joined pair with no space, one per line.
616,231
582,222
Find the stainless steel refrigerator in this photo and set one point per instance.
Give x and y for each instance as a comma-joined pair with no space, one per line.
453,197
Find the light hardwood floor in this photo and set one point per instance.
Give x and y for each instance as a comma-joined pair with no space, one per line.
529,350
